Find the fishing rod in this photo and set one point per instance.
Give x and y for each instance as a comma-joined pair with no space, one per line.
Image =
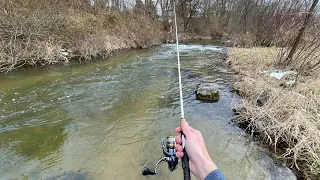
168,148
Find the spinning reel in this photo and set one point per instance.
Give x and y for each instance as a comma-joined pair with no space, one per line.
169,153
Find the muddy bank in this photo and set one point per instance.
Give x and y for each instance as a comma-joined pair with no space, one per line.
285,118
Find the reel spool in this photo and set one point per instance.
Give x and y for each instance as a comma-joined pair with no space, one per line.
169,153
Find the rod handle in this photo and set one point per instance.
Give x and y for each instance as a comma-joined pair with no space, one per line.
185,164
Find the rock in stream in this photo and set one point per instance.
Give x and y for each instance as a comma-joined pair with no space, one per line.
208,92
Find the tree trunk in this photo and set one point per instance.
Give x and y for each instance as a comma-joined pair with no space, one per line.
300,34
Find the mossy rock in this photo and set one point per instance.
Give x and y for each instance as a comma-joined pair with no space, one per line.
208,92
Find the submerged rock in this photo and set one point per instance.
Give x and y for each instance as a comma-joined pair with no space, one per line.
208,92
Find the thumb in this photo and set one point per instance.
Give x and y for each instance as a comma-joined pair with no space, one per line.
185,127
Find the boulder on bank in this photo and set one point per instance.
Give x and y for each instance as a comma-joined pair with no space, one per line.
263,98
208,92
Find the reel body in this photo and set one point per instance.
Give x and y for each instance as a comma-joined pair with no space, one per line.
169,153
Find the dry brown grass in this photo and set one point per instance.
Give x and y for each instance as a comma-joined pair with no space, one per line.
290,120
35,32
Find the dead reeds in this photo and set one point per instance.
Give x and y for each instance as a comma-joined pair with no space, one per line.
289,121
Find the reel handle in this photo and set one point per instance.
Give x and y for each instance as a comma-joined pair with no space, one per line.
146,171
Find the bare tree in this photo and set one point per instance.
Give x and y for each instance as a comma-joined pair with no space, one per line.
300,34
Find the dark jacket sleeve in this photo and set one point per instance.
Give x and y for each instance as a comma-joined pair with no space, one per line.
215,175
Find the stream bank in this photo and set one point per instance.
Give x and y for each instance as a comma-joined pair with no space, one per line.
43,33
285,118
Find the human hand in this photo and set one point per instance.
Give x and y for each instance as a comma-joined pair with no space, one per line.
199,160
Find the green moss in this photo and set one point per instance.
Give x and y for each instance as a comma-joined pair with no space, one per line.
213,96
35,142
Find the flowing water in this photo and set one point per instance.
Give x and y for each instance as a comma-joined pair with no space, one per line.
105,119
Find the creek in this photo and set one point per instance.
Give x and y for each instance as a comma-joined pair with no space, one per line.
104,119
